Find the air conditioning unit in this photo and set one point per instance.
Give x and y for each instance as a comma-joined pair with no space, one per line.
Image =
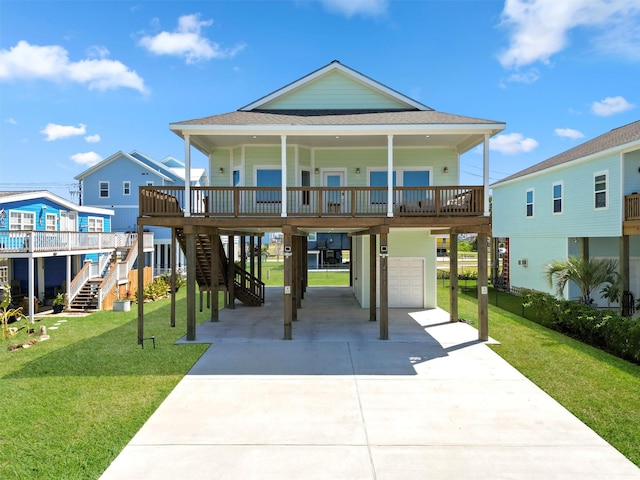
523,262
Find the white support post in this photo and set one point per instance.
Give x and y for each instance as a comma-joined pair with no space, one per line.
283,147
67,286
389,175
31,289
187,176
485,176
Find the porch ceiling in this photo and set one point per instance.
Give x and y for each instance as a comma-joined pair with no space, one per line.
461,141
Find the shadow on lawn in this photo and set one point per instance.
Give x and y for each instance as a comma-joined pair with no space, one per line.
116,353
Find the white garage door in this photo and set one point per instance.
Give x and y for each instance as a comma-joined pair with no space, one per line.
406,282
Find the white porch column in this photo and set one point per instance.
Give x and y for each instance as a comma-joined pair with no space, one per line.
31,288
187,176
283,147
389,175
67,284
485,174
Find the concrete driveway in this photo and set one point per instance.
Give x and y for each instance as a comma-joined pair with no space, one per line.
337,403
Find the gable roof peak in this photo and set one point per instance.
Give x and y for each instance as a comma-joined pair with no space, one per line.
336,65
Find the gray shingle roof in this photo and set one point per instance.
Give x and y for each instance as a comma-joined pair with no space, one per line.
336,117
615,138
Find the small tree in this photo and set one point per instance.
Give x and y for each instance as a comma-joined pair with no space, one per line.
587,273
612,291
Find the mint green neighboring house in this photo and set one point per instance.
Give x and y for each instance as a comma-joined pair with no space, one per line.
334,151
584,201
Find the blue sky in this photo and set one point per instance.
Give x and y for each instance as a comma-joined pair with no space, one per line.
81,80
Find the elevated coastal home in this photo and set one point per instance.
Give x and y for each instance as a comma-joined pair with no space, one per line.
334,151
51,245
585,201
114,182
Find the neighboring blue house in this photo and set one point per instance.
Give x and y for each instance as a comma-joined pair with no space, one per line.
46,240
584,201
114,183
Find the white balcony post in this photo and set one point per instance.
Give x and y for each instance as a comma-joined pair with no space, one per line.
485,175
389,175
283,147
187,176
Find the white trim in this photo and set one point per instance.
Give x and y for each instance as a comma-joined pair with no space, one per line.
533,203
126,185
22,213
100,183
553,198
606,191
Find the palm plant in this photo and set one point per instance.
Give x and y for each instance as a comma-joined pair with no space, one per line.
586,273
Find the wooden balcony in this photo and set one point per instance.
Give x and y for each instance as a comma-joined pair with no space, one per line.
313,202
632,207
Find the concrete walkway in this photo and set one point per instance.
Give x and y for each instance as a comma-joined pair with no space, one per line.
337,403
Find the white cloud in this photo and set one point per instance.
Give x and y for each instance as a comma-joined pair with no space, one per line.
51,63
86,158
349,8
56,132
11,121
187,41
511,143
610,106
92,138
528,77
540,28
569,133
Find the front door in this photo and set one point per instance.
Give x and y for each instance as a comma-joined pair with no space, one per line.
334,199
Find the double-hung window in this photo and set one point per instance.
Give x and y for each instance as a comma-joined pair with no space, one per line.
600,190
557,197
52,222
529,204
126,187
104,189
95,224
19,220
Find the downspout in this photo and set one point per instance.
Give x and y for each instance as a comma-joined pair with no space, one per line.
283,147
390,175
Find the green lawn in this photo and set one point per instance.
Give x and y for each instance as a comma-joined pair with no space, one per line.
71,403
273,275
600,389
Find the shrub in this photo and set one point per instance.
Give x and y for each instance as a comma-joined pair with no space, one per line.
613,333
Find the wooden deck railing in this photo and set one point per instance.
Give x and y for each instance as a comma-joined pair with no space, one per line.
313,201
632,207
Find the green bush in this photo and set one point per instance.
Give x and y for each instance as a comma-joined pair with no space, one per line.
608,331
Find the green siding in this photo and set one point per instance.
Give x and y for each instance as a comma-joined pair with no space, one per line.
335,90
579,218
632,173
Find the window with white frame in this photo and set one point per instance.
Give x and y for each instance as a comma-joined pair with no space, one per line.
20,220
557,197
529,200
52,222
95,224
104,189
126,187
312,237
149,183
600,189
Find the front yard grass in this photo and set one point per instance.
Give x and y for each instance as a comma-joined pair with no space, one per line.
600,389
70,404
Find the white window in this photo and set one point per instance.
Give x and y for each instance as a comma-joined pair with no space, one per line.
104,189
149,183
126,188
312,237
600,190
19,220
529,204
95,224
52,222
557,193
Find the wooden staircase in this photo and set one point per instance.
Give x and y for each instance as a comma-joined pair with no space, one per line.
247,288
87,298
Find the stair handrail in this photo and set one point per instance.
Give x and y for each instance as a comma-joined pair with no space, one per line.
256,286
80,279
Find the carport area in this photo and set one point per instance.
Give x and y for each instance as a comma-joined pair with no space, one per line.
337,403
